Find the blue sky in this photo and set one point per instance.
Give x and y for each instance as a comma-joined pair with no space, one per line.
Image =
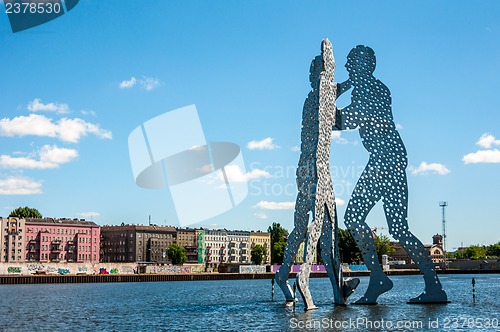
84,81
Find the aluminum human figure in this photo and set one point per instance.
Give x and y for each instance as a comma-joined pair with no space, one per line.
384,178
315,196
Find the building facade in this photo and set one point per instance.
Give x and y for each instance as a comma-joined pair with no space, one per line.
188,238
201,246
239,246
12,235
61,240
216,244
435,251
137,243
263,239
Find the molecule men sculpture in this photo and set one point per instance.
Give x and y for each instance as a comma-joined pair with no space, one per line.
384,178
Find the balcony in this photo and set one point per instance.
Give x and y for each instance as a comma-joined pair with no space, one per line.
32,249
55,249
56,241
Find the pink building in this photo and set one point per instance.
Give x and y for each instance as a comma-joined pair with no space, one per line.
62,240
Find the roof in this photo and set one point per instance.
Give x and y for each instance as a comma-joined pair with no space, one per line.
62,221
146,228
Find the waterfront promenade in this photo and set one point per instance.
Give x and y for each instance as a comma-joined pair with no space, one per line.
103,278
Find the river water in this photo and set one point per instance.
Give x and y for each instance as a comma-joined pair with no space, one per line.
243,305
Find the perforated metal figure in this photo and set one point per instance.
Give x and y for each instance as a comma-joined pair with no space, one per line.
384,178
315,191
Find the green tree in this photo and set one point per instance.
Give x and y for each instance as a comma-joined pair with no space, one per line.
348,249
279,236
493,250
383,245
176,254
25,212
277,252
475,252
278,233
257,254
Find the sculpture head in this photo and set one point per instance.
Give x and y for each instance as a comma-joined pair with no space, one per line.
361,63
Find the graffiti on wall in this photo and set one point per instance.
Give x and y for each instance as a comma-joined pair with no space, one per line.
13,269
35,267
252,269
126,269
168,269
83,269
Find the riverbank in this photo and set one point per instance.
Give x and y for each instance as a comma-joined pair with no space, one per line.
102,278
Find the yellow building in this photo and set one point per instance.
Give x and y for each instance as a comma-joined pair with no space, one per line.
264,239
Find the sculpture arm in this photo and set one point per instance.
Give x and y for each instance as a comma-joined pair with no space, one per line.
345,118
343,87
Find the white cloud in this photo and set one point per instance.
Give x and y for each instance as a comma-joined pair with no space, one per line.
56,155
261,215
149,83
295,148
85,112
339,201
20,186
266,205
68,130
88,214
37,106
336,135
487,141
146,83
265,144
128,84
432,168
48,157
235,174
482,156
399,126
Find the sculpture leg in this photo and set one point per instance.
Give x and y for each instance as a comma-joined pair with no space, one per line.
301,218
327,244
342,288
363,199
305,269
398,227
